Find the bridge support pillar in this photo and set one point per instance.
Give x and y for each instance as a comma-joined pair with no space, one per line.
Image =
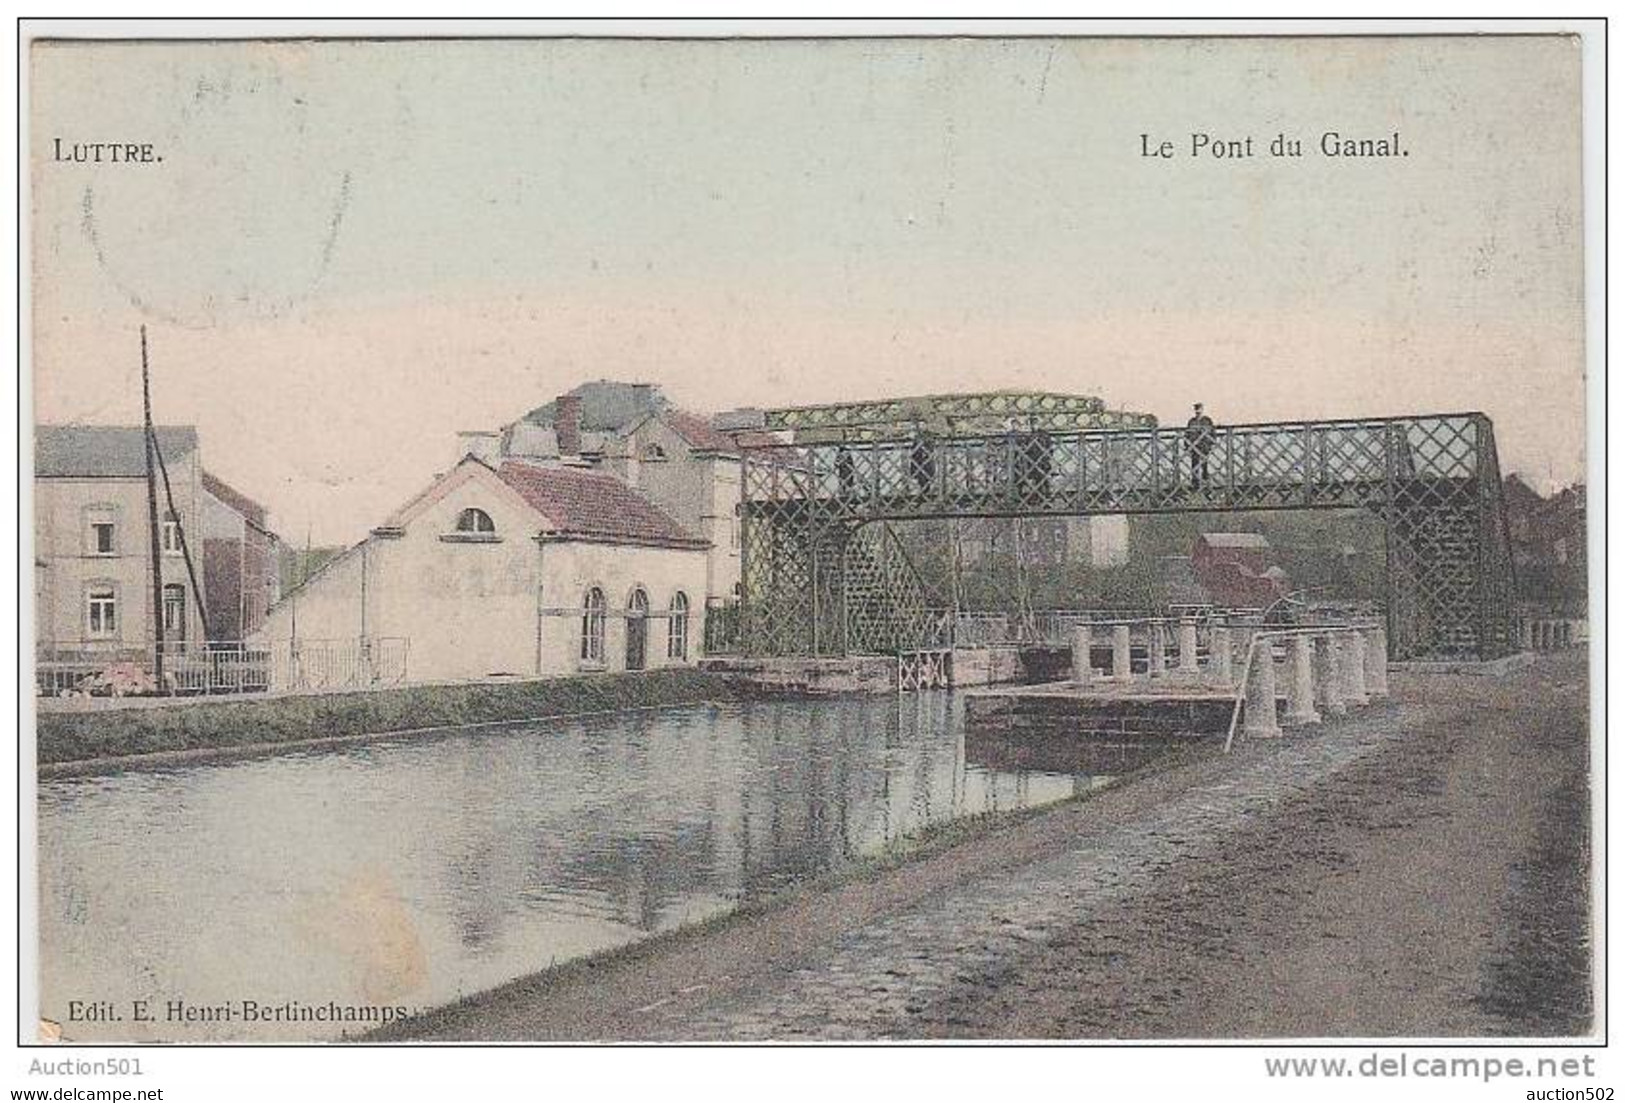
1159,652
1082,671
1219,656
1354,692
1376,662
1300,691
1122,669
1328,677
1259,693
1187,648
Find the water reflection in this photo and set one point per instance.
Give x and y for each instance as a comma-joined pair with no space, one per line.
415,872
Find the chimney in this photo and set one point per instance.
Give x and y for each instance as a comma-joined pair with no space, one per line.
567,424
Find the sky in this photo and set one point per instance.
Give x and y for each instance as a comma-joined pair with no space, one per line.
352,250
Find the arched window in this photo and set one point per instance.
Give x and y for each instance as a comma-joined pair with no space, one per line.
475,520
592,627
677,628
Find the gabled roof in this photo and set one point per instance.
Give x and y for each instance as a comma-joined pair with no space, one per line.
698,433
595,506
105,451
701,435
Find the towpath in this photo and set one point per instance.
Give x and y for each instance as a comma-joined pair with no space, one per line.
1416,869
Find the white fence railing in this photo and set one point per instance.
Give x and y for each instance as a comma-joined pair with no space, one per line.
191,671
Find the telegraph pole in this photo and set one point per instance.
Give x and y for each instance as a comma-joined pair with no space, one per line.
152,523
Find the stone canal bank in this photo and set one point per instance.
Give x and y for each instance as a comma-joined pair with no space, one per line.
1419,868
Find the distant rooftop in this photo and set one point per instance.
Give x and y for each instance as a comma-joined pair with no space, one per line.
606,405
104,451
250,510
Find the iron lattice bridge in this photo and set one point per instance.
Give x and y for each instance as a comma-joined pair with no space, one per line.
824,574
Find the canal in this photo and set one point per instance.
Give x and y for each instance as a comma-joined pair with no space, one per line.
409,873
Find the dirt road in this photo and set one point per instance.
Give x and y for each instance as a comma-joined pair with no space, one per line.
1419,868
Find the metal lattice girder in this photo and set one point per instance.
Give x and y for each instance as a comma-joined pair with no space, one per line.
1435,480
988,412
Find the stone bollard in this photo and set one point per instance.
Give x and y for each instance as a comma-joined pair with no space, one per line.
1376,662
1122,670
1187,648
1159,652
1259,693
1300,687
1082,671
1353,648
1219,658
1328,684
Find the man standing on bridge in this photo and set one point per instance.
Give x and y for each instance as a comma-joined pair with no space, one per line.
1200,436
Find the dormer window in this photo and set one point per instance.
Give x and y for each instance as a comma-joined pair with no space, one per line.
474,526
475,520
653,453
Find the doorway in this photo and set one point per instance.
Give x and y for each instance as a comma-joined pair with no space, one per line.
637,630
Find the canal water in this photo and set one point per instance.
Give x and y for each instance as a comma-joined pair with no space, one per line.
405,874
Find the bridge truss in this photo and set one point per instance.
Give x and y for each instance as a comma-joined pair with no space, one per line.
823,574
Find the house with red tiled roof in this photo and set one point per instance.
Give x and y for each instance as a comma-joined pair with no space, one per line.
685,462
513,569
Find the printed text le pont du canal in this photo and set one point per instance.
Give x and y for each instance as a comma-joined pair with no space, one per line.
1219,147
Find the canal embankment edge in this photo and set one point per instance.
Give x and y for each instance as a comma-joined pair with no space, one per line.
93,741
830,890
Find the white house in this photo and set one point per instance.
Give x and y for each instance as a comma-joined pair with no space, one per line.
513,569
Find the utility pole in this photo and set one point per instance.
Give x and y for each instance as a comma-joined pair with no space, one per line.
152,523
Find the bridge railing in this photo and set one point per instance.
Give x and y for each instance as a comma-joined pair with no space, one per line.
1023,472
1434,480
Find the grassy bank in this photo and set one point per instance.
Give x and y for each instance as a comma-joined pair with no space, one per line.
244,722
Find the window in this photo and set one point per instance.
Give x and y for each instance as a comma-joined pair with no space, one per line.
677,628
653,453
101,529
171,538
475,520
175,611
592,627
101,612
